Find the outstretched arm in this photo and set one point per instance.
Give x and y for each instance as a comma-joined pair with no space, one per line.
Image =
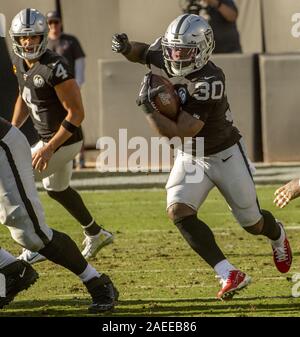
133,51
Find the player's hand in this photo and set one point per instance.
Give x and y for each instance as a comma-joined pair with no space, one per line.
41,157
120,43
147,93
287,193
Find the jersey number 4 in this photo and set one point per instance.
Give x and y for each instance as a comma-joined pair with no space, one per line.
26,95
61,72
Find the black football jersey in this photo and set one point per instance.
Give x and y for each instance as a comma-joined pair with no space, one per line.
4,127
203,96
37,90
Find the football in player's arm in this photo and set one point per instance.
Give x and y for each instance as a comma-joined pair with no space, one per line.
182,55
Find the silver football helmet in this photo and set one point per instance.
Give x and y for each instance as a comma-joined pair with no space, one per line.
187,44
29,22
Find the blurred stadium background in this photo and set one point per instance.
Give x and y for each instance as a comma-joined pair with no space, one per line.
262,83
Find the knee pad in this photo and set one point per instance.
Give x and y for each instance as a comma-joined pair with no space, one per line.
30,241
21,228
12,216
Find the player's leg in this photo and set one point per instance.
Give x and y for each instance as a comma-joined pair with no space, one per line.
23,214
56,181
183,201
237,186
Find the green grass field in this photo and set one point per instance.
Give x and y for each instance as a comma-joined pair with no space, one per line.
155,271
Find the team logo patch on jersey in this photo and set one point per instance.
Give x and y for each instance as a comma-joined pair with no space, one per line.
38,81
182,93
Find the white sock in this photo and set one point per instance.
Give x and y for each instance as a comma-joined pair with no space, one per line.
279,241
6,258
89,273
223,268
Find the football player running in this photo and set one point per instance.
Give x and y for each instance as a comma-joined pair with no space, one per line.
22,213
182,55
50,95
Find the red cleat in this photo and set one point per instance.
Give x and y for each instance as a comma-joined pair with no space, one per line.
236,281
282,254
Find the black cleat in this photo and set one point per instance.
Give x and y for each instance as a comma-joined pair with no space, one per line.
19,276
103,292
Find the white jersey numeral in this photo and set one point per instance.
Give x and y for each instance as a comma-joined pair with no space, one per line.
205,90
26,95
2,285
61,72
295,31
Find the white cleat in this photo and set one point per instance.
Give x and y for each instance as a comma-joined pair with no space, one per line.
94,243
31,257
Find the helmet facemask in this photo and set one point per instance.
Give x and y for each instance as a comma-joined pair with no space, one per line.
37,49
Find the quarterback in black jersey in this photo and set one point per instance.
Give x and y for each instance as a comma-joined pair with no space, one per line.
51,97
182,55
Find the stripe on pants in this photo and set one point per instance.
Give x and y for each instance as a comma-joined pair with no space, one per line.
26,201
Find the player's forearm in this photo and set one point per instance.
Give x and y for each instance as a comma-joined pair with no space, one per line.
62,135
137,52
20,113
163,126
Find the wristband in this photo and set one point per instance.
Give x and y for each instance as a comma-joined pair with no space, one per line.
69,126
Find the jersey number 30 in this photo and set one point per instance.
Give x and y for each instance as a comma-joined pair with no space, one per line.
206,90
